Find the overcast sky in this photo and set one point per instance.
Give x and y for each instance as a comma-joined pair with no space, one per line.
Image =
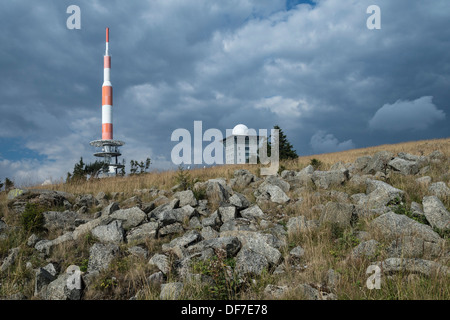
311,67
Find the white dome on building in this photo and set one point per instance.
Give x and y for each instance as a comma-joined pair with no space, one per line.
240,130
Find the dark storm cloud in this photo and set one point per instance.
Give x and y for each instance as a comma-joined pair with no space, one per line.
314,70
400,116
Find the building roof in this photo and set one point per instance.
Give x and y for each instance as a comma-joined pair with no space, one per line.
240,130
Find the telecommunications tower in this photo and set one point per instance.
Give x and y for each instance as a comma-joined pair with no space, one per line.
107,148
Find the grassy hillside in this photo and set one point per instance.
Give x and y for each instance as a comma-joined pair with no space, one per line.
325,247
167,179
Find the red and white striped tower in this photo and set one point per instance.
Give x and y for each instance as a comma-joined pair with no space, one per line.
108,148
107,95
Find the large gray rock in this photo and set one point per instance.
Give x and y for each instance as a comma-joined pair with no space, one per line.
403,166
44,198
217,190
277,181
287,174
46,246
276,292
111,208
178,245
341,214
32,240
134,201
309,169
378,162
231,245
42,279
202,208
413,247
212,221
359,199
184,213
436,213
162,210
167,217
421,160
361,163
138,251
12,194
112,232
417,209
439,189
271,192
436,155
328,179
85,200
173,228
209,233
186,198
227,213
54,220
68,286
333,279
65,237
3,226
299,181
300,224
262,243
279,232
297,253
424,267
314,292
239,224
171,291
382,194
338,166
368,249
159,201
74,283
101,196
254,212
393,226
359,180
55,289
131,217
144,231
194,223
425,181
87,227
147,207
10,259
239,201
250,262
162,262
52,269
242,178
156,279
101,255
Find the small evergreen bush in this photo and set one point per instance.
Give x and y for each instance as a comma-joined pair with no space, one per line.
32,219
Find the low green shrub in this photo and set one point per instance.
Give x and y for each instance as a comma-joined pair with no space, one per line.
32,219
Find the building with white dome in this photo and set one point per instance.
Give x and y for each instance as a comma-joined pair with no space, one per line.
241,146
240,130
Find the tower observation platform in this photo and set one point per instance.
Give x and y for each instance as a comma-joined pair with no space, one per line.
109,151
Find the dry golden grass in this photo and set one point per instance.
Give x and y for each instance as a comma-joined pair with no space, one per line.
424,147
166,179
